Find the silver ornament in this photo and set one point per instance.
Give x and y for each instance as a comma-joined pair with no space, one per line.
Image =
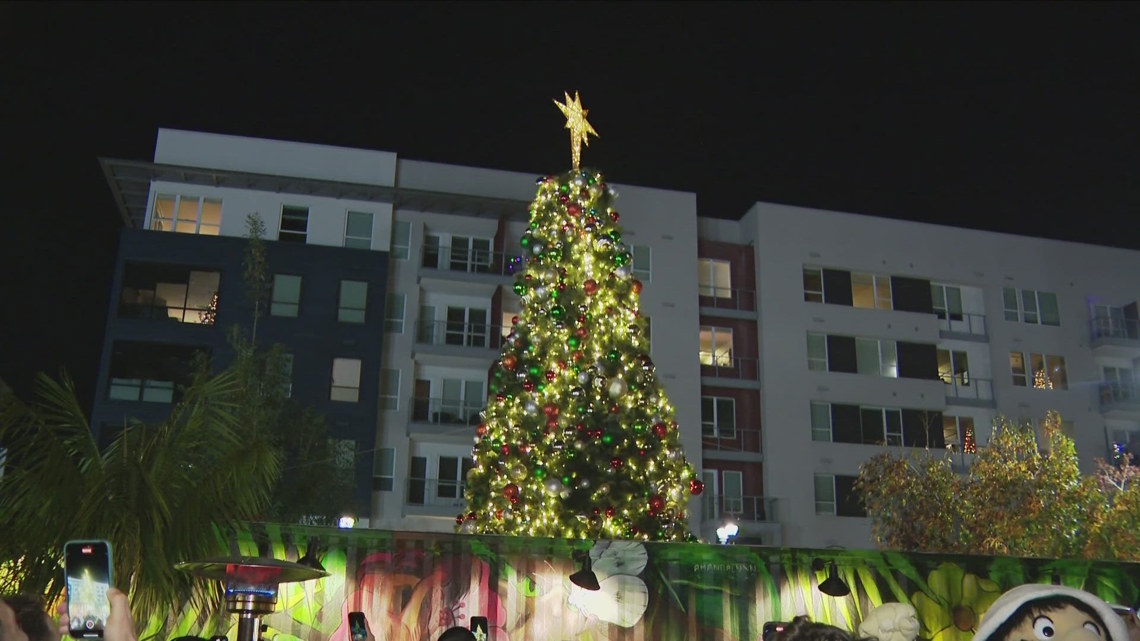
617,388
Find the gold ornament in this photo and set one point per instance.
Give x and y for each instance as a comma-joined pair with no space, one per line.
577,124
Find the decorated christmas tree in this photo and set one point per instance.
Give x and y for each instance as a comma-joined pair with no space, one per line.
578,439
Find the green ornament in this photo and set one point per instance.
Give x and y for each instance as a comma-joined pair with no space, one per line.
525,240
557,311
564,188
539,473
572,341
608,439
613,355
533,370
520,289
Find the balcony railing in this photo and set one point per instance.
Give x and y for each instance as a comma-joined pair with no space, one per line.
1116,394
445,411
728,298
1102,327
739,367
752,509
440,493
738,440
473,261
481,335
969,388
971,324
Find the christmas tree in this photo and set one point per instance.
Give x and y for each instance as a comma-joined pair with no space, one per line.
579,439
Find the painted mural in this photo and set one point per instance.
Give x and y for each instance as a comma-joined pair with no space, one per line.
413,586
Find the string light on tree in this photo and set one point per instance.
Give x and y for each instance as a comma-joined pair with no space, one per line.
579,439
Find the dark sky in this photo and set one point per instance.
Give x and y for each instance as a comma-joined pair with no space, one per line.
1018,117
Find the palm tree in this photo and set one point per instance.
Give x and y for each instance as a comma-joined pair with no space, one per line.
160,494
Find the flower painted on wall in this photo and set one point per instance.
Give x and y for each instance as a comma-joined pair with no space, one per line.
954,606
623,596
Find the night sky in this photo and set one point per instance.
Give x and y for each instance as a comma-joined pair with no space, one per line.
1015,117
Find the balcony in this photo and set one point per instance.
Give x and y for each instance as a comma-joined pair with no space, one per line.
728,299
450,339
1120,399
446,412
434,497
962,326
470,261
743,441
729,368
1115,337
754,515
969,391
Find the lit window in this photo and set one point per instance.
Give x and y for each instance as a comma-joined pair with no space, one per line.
286,297
1044,371
394,313
958,432
169,292
294,224
714,278
186,214
875,357
345,380
813,284
358,230
401,239
353,301
716,346
871,291
953,367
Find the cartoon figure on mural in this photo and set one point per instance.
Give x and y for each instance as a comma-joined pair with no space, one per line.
1050,613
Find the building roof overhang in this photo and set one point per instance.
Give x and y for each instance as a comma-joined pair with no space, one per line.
130,186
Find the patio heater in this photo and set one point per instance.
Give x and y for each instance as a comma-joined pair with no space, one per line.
251,586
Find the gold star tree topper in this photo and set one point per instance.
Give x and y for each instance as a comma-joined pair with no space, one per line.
577,124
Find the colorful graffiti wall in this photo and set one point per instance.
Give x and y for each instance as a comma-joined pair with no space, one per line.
413,586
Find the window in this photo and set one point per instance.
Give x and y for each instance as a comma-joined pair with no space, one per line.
384,469
286,297
148,372
187,214
401,239
1111,321
389,389
462,401
294,224
1119,381
353,301
836,496
813,284
394,314
947,301
431,251
953,368
718,417
881,425
452,473
732,489
470,254
876,357
871,291
958,432
358,230
714,278
820,422
169,292
1045,371
466,326
345,380
642,263
716,346
1031,306
817,352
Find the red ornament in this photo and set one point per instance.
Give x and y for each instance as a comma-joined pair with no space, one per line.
591,287
696,487
514,500
616,463
459,519
610,511
656,504
580,427
514,320
577,356
509,361
499,398
470,516
614,216
528,386
573,209
660,430
511,491
505,449
481,430
642,452
636,286
582,333
550,375
551,424
550,409
614,409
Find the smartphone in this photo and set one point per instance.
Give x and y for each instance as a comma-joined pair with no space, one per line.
480,628
357,626
87,567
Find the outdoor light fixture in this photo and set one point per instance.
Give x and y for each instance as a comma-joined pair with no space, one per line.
585,578
346,522
833,585
726,532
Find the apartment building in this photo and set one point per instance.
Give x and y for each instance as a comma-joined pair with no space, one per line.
794,343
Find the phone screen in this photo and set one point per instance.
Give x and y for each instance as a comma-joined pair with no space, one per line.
357,626
88,568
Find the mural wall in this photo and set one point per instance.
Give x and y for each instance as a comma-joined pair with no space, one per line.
413,586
